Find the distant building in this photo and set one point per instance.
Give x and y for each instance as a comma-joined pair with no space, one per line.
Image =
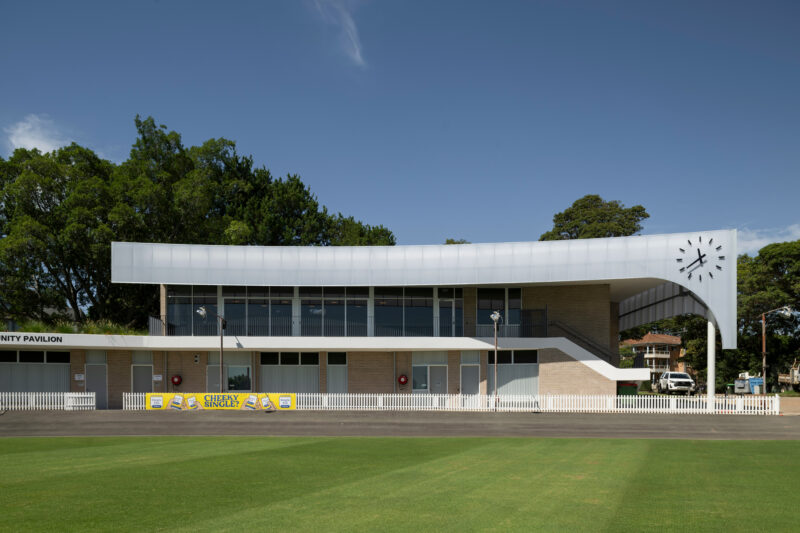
658,352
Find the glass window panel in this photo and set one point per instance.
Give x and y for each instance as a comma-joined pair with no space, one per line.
446,293
290,358
95,357
204,291
419,378
234,292
281,292
419,317
503,357
210,324
310,292
459,317
525,357
490,300
258,292
281,318
337,358
258,317
179,316
311,317
389,317
8,356
357,318
235,316
514,306
238,378
269,358
419,292
334,318
333,292
388,292
309,358
138,358
179,291
358,292
31,356
459,293
445,318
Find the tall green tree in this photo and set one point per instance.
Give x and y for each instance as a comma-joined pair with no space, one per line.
59,213
592,217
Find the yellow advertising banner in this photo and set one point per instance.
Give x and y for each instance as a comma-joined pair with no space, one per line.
239,401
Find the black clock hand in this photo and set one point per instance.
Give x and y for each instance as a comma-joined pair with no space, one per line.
693,262
700,256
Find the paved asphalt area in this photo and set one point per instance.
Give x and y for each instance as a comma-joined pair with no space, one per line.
408,424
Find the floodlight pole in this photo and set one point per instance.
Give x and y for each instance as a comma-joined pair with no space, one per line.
203,312
495,318
785,311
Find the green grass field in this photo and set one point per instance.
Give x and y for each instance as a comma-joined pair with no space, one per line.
400,484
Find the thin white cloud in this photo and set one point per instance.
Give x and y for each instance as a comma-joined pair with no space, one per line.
35,131
339,13
752,240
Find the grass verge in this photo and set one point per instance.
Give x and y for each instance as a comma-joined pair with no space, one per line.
394,484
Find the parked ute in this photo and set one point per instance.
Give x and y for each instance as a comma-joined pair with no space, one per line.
671,382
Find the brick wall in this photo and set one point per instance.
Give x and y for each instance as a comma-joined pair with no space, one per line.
453,372
193,375
561,374
403,367
584,308
158,368
77,365
323,372
118,366
370,372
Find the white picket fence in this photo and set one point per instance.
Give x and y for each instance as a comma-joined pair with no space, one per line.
742,405
47,401
133,401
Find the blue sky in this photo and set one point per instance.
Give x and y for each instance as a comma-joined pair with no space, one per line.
475,120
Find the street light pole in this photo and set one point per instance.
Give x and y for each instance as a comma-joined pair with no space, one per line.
786,311
222,325
495,316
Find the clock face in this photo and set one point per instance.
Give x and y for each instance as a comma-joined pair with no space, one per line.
700,259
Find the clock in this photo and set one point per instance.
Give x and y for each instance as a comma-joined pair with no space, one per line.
700,258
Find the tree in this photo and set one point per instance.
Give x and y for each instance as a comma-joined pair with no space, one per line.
592,217
457,241
59,213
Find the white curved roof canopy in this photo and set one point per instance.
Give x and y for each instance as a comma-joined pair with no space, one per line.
634,267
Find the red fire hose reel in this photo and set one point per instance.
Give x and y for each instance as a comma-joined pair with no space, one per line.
176,380
403,379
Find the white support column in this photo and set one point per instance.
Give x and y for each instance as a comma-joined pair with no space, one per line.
296,313
712,365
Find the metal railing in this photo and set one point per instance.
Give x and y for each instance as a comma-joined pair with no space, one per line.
47,401
741,405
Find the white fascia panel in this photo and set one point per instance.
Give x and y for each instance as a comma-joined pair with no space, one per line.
573,261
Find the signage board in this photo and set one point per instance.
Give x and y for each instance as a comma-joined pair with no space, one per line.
230,401
157,377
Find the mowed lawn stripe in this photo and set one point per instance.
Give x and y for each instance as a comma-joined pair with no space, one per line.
394,484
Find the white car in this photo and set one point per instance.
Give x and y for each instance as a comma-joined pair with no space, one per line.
671,382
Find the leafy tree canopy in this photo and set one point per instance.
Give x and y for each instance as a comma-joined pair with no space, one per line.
457,241
592,217
60,211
